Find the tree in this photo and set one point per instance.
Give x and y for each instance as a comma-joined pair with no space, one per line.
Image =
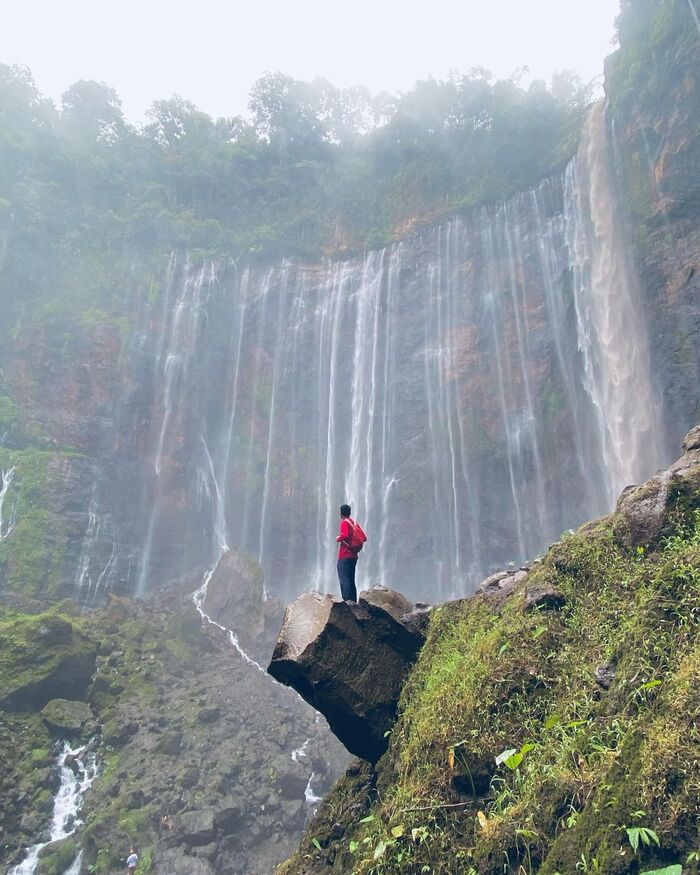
92,112
177,122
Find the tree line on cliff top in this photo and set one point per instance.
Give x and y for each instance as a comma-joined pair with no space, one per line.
308,157
310,170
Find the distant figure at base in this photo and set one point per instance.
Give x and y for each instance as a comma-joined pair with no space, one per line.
351,539
131,861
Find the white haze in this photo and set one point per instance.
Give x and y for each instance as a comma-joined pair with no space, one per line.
211,51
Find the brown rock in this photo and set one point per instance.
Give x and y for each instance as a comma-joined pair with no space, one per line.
349,662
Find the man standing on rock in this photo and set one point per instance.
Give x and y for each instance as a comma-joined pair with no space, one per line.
350,538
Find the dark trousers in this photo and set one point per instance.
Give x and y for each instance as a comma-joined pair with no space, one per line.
346,576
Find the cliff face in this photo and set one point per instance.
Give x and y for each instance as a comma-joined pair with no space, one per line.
652,86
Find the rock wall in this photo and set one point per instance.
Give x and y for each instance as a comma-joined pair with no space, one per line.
656,121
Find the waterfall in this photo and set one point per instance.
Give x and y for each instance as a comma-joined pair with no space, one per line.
89,580
67,803
181,328
471,391
612,333
6,528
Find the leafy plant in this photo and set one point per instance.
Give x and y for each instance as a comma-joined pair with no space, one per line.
635,834
512,758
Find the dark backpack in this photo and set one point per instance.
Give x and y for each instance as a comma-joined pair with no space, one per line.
357,538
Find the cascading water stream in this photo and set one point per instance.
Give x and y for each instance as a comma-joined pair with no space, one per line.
612,333
67,802
88,584
179,340
221,547
6,527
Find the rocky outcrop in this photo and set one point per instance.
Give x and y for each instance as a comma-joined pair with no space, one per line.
204,762
349,661
235,599
235,594
66,718
653,83
646,513
43,658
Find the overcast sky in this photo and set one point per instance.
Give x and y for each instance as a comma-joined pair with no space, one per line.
211,51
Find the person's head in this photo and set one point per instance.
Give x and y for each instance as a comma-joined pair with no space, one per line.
345,510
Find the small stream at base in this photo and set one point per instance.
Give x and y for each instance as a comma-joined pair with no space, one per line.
67,804
198,598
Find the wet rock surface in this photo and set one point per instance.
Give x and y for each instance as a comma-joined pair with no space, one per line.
349,660
235,599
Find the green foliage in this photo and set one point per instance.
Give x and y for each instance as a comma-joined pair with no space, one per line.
635,834
313,169
8,414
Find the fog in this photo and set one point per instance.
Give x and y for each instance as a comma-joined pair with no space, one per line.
211,52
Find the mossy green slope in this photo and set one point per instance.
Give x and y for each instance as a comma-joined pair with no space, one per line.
603,774
43,657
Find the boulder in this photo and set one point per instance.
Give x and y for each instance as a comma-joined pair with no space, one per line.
234,596
605,675
646,514
56,857
65,717
170,744
209,714
197,827
235,599
498,587
174,862
349,660
44,657
118,731
692,440
228,818
292,782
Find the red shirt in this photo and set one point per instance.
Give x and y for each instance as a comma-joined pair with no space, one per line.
343,536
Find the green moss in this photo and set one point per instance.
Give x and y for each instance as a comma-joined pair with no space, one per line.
32,557
43,657
40,757
57,857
